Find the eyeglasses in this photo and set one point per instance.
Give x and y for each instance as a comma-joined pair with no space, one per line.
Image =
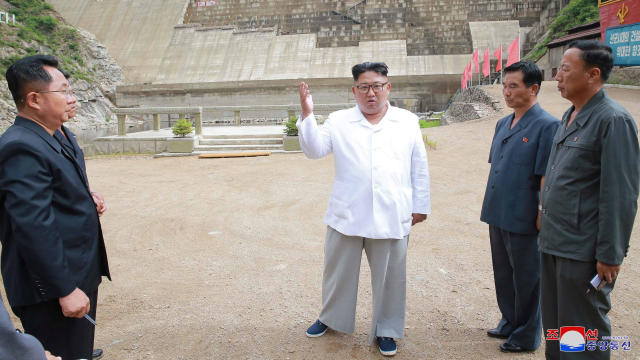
67,92
363,89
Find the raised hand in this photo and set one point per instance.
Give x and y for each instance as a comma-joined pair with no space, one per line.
305,100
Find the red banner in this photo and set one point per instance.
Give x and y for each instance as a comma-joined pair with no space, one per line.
514,52
485,65
476,68
498,55
618,13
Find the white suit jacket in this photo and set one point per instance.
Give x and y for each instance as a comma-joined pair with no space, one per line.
381,171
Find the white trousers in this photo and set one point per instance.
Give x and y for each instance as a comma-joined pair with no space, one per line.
388,264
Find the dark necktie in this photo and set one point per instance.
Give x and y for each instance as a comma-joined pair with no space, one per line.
65,142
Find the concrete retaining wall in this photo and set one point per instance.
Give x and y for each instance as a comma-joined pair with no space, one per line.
136,32
170,42
103,146
174,53
416,93
213,55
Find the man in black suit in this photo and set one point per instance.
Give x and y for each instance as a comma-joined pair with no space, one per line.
53,253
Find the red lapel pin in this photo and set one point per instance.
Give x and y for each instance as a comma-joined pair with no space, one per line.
575,139
525,139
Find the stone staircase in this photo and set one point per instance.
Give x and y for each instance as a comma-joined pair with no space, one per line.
239,143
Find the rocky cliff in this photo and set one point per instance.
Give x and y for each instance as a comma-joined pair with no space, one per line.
94,73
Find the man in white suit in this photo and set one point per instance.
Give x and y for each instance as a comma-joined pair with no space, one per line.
381,189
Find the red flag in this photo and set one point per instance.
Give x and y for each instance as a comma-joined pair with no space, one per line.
514,52
498,55
485,65
475,62
463,81
468,72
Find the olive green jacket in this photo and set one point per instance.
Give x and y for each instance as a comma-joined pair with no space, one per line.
590,193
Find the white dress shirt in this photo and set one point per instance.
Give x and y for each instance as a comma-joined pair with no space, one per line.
382,173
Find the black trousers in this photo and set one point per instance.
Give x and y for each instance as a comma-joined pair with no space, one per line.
69,338
565,303
516,272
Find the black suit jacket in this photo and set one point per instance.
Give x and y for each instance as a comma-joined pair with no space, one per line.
49,227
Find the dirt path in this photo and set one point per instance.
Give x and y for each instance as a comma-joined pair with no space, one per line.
223,258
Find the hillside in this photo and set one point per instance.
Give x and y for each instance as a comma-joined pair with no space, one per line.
94,73
578,12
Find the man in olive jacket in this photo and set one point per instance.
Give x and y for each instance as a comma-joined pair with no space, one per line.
588,202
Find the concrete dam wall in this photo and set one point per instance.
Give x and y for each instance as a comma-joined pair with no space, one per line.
238,51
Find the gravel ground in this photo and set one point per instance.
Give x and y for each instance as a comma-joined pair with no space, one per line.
222,258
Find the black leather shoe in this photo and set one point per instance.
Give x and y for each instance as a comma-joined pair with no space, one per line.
494,333
97,354
509,347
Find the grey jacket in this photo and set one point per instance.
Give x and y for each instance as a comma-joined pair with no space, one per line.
16,346
590,194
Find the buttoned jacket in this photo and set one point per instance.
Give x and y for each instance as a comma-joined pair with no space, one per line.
49,228
381,171
518,160
590,193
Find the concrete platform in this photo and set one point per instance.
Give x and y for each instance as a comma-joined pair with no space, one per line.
155,141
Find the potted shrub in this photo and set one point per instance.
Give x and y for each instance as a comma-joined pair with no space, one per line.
290,141
181,143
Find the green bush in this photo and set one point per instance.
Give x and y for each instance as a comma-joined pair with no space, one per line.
428,124
290,126
182,128
44,23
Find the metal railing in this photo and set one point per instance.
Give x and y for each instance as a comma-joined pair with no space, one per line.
196,112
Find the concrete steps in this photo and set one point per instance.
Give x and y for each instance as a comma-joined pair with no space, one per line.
237,142
201,148
244,136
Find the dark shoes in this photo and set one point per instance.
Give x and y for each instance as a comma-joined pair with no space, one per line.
387,346
317,329
97,354
512,348
495,333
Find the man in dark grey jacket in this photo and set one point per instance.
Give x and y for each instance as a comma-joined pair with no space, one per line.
588,205
17,346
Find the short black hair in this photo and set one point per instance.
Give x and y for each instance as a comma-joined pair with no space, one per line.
531,73
26,71
595,54
378,67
